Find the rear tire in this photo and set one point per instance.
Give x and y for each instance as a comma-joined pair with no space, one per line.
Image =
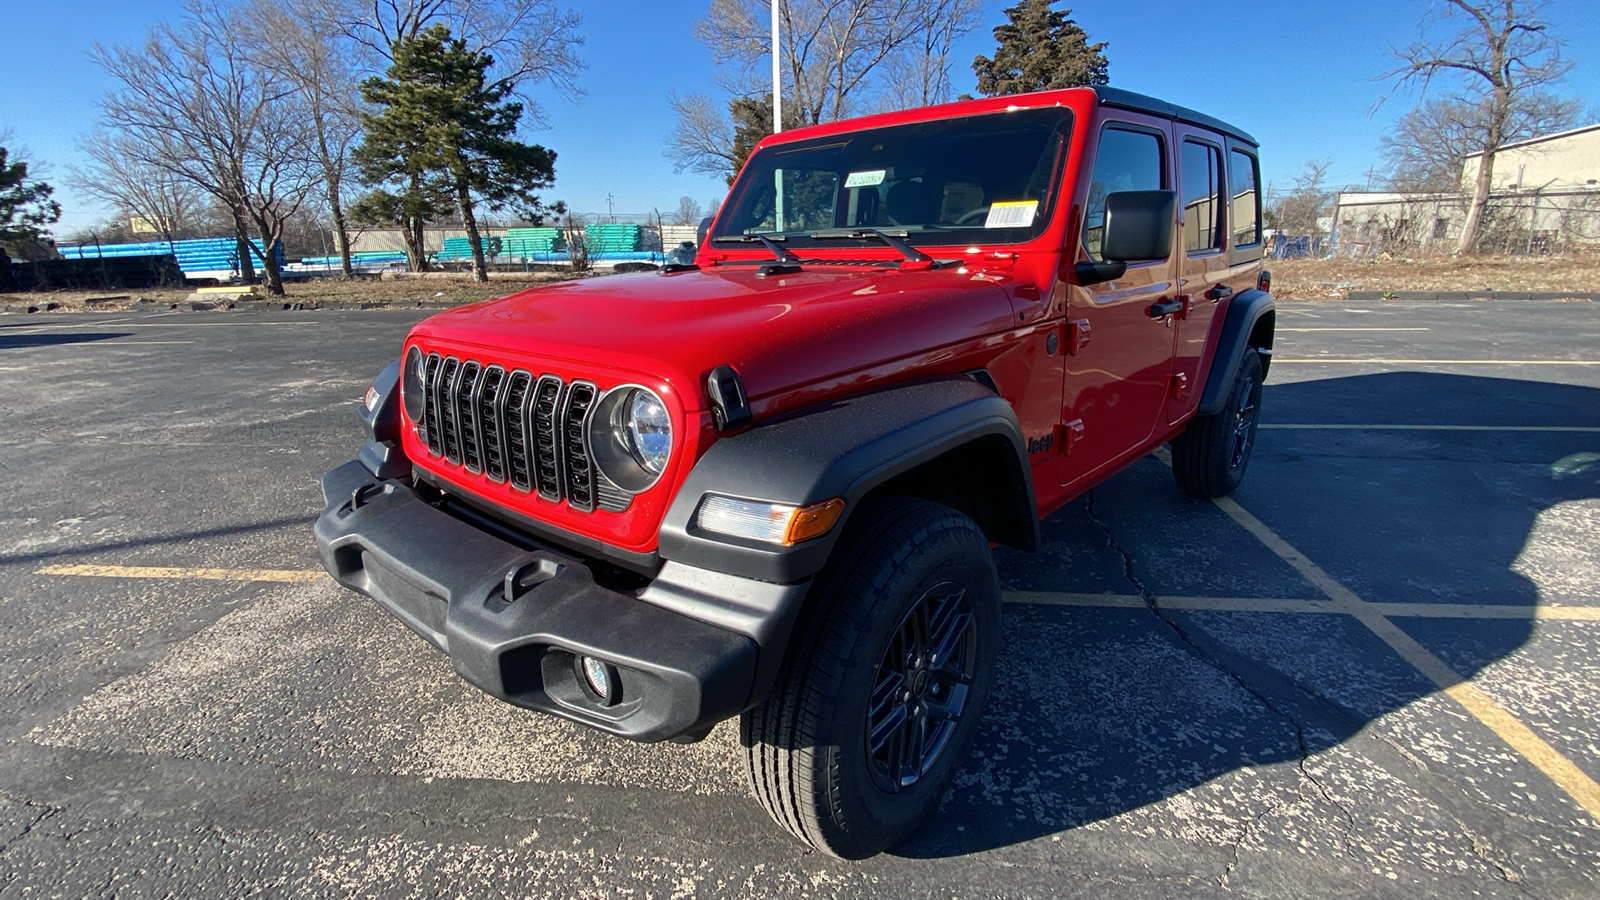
1210,456
863,733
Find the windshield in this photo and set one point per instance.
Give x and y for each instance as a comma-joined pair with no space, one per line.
984,179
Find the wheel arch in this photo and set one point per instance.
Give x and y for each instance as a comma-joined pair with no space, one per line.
949,440
1250,326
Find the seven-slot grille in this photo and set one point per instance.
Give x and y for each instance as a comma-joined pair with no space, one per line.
515,427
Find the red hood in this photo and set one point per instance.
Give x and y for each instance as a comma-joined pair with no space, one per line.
779,332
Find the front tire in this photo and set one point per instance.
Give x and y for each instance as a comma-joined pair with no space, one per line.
861,737
1210,456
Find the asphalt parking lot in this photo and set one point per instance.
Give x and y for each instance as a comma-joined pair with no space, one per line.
1372,672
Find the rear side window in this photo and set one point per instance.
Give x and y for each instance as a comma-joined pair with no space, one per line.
1128,160
1246,205
1202,176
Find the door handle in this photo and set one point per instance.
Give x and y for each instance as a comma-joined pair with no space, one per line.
1162,308
1220,292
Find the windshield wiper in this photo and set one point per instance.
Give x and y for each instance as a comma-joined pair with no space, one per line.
857,234
784,254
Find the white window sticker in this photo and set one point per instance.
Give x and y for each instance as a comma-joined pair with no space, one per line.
1015,214
871,178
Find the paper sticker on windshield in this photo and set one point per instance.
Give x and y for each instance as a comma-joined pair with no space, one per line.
870,178
1018,214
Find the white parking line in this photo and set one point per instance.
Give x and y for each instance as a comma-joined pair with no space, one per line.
1573,429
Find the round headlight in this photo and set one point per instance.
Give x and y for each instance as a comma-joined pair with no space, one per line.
649,431
632,437
412,384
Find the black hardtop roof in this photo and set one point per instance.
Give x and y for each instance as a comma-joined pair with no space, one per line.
1110,96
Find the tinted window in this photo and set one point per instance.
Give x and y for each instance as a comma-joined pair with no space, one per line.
1246,200
990,178
1127,161
1202,203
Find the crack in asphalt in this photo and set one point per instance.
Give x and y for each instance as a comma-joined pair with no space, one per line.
1482,848
1205,656
35,822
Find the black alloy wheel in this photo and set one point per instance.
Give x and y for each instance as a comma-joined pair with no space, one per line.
921,688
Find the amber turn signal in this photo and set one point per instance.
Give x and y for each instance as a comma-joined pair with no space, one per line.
813,521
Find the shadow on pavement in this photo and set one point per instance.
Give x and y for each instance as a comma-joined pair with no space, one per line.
1100,711
19,341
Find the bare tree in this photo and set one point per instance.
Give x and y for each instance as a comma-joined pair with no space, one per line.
920,76
1505,52
833,51
532,41
688,212
119,175
324,72
190,103
1298,212
839,57
1426,147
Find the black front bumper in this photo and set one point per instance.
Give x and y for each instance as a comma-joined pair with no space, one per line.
447,581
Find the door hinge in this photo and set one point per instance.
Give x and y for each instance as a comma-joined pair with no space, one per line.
1067,435
1177,385
1078,331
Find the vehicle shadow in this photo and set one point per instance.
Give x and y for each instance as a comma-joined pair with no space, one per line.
1099,710
19,341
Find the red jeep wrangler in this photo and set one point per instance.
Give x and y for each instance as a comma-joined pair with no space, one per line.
766,485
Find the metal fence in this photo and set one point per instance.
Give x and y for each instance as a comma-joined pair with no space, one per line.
1518,222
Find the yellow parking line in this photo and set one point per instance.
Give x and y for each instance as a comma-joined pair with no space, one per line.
1446,362
1571,779
1572,429
1472,611
176,572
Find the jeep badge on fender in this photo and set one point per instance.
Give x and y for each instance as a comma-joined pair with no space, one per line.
766,485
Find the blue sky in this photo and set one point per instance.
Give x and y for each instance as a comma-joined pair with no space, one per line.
1299,76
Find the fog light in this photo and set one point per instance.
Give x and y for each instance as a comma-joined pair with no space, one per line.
599,678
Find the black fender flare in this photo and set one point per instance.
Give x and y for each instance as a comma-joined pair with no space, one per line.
840,448
1246,312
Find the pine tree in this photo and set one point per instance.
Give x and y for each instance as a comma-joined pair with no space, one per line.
444,133
26,209
1040,49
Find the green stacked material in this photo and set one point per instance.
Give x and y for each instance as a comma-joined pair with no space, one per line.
533,241
612,239
459,248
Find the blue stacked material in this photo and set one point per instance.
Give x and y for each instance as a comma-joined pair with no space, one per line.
193,254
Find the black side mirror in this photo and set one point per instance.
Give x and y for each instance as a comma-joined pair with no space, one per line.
1137,225
705,226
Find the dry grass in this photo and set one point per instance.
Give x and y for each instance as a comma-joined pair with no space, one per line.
1332,279
434,289
1293,279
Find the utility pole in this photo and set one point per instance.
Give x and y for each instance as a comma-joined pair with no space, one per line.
609,214
777,80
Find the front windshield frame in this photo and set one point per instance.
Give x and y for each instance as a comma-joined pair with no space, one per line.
843,188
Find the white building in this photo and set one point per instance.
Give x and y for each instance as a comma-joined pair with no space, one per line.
1546,197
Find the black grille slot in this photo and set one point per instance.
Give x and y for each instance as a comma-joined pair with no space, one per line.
491,426
546,447
430,406
449,427
516,430
580,470
467,416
